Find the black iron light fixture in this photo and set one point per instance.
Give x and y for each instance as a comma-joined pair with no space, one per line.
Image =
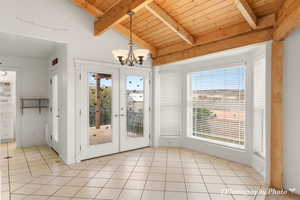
132,56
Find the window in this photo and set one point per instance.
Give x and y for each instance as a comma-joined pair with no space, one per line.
218,105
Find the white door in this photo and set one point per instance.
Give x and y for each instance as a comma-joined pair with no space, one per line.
134,109
54,108
99,111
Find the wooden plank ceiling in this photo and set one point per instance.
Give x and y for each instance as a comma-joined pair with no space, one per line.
166,27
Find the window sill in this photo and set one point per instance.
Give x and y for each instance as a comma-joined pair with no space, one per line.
218,143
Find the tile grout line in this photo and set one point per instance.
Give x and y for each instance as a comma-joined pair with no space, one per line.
193,154
63,185
226,184
182,168
128,177
31,182
220,176
116,179
101,188
26,160
148,174
165,187
247,186
44,160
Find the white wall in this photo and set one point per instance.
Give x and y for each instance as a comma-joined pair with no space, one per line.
61,21
291,117
32,81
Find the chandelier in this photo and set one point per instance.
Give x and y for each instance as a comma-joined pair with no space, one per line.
132,56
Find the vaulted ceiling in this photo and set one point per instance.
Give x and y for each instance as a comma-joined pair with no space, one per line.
166,27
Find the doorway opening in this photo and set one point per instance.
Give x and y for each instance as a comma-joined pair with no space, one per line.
7,106
26,94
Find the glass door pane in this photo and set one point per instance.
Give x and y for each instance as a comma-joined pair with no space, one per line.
134,109
98,104
100,108
135,106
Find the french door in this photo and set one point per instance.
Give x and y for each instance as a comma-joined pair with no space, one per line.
99,111
114,110
134,109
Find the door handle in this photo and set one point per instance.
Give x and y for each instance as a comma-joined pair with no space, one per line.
122,115
116,115
57,116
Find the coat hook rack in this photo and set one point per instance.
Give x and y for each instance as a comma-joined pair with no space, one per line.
34,103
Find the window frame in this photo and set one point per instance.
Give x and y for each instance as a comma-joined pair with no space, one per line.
248,105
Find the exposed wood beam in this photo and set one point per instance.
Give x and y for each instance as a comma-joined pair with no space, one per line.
279,4
124,31
288,19
220,34
247,12
90,8
163,16
121,29
117,13
276,117
234,42
285,9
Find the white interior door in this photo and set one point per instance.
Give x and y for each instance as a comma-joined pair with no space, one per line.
55,116
99,111
134,109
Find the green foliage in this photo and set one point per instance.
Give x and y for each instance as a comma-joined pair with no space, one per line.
202,114
106,102
105,98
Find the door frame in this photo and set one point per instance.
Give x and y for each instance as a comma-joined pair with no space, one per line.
78,64
17,135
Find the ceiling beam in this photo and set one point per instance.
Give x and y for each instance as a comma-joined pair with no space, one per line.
170,22
247,12
85,5
120,28
220,34
288,19
117,13
226,44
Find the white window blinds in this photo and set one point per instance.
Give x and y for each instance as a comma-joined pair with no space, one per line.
218,105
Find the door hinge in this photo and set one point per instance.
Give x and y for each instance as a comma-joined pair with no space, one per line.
80,76
149,108
50,81
149,81
80,112
51,138
80,148
50,109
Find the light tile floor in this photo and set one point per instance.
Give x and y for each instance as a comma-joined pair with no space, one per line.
144,174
